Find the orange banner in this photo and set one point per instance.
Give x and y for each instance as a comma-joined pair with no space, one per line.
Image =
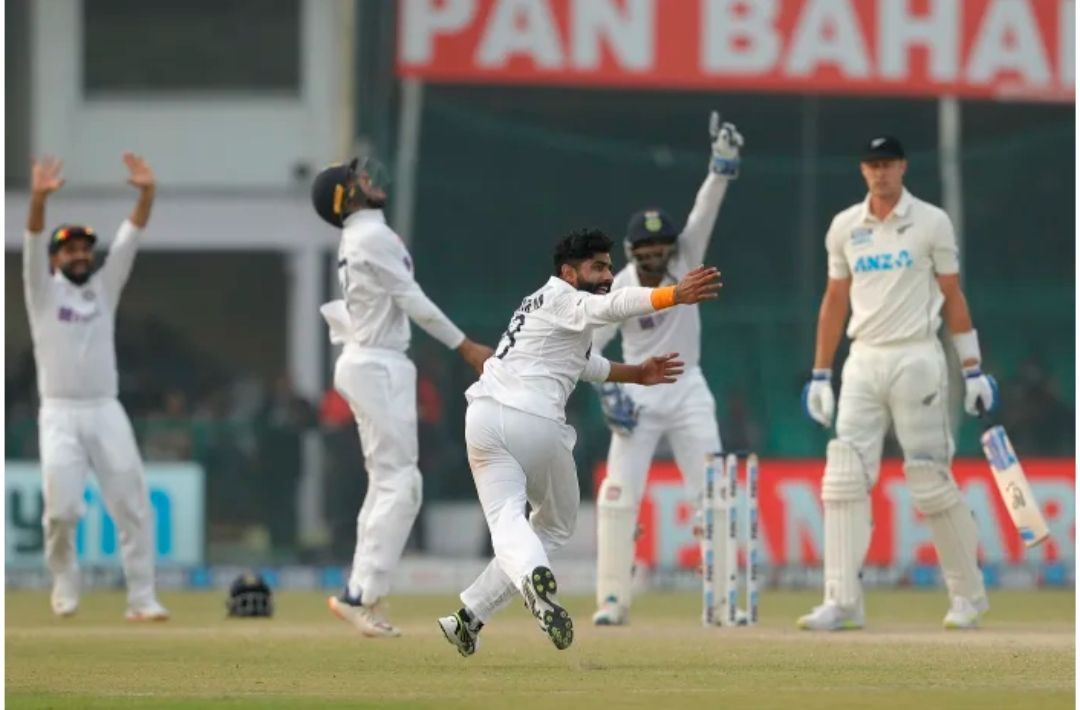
791,524
1004,49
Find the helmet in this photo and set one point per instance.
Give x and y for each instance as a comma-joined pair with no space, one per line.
66,232
649,226
332,188
250,596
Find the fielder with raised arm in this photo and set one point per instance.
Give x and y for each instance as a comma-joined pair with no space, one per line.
893,257
82,427
638,416
520,446
377,378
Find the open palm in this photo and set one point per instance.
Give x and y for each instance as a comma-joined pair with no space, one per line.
45,175
139,173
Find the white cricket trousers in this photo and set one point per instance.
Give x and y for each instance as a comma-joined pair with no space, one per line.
903,384
75,437
685,412
380,387
517,457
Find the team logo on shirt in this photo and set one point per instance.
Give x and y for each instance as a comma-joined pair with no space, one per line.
70,315
884,262
861,236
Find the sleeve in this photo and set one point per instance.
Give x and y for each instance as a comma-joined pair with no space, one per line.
603,335
36,274
391,266
117,268
695,237
943,250
582,310
597,368
834,246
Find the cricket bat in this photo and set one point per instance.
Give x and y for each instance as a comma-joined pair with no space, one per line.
1013,486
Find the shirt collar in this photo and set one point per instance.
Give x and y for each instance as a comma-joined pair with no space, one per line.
365,215
903,206
560,283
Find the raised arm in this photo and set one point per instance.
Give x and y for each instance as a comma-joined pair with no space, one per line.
701,284
117,268
388,262
45,179
723,167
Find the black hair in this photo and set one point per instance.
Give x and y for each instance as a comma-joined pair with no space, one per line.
579,245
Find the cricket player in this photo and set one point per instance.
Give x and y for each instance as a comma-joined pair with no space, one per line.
82,427
893,258
658,254
376,377
519,444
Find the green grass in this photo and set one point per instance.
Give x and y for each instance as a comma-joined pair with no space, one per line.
1022,658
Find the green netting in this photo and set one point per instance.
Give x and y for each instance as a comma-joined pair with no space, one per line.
505,171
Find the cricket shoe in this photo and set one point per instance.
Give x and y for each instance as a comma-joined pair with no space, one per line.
539,589
833,617
65,594
611,613
151,611
462,633
370,620
964,613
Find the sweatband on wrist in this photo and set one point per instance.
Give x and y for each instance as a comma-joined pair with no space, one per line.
967,346
821,373
662,298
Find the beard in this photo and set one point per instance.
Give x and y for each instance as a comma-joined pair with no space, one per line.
76,277
374,203
601,288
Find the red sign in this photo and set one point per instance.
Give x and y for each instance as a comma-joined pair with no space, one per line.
1012,49
791,518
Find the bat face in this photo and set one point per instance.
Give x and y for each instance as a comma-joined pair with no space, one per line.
1013,486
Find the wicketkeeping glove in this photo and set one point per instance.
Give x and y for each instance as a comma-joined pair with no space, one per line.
726,142
620,412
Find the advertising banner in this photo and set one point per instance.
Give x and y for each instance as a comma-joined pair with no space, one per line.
176,500
1004,49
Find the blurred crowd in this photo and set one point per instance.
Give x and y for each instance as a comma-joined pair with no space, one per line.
248,433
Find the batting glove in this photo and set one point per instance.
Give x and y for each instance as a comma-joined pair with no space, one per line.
620,412
818,400
726,143
980,392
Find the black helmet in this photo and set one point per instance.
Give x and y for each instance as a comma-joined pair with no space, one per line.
332,188
250,596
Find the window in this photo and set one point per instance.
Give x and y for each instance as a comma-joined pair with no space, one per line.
191,46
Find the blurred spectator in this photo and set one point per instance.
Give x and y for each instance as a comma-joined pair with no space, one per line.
346,483
279,427
167,433
1037,419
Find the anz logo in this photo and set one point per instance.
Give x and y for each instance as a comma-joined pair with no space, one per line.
884,262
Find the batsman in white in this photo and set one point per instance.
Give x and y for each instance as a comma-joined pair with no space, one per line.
893,258
82,427
657,254
376,377
520,446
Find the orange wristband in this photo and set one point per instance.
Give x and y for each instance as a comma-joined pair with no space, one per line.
662,298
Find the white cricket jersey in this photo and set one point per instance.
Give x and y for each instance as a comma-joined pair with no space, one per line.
72,326
678,329
547,347
893,265
381,293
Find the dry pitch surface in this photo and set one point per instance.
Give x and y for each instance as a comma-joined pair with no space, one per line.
1022,658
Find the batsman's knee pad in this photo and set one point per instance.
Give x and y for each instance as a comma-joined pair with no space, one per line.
616,524
932,487
845,476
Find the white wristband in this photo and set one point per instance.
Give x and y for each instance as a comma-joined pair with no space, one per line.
967,346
